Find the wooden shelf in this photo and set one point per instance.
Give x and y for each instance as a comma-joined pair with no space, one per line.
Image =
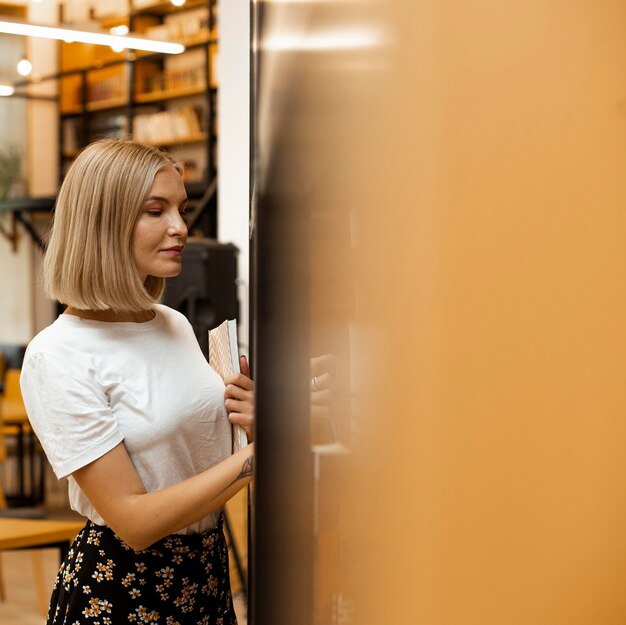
199,138
20,208
28,205
171,94
200,40
76,109
110,20
163,8
110,103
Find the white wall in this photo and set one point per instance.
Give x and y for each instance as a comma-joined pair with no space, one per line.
234,141
15,265
43,117
15,303
42,144
33,126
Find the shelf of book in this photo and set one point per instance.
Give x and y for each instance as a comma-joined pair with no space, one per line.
171,94
163,100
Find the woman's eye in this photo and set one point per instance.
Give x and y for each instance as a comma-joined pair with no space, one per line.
184,211
154,212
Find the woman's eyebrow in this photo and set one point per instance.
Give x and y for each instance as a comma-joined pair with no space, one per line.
159,198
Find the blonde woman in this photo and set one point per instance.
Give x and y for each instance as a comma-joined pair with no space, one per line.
126,406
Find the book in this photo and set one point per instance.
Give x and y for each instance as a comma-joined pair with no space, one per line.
224,358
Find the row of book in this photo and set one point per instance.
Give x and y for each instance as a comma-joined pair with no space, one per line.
107,89
175,79
182,27
168,126
112,126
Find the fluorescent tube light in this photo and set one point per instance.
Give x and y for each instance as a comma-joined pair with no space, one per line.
102,38
6,90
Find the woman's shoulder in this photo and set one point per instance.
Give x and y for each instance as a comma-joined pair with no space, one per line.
57,333
58,341
171,315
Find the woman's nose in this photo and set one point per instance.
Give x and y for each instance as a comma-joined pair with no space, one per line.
177,226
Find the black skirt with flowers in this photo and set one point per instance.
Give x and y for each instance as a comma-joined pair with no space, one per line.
180,580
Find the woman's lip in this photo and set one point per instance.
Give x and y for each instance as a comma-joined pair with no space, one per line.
174,250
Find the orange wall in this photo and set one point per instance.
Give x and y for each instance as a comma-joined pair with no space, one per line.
493,482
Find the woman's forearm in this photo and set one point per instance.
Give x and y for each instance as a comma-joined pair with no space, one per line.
170,509
141,518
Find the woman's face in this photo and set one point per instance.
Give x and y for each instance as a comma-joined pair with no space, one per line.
160,232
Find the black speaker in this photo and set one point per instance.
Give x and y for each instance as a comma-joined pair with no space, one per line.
13,354
206,289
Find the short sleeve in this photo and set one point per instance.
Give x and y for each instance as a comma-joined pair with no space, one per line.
69,412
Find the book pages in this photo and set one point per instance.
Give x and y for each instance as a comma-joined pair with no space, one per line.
224,358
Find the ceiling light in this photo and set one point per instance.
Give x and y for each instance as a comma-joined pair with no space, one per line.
177,3
6,90
103,38
24,67
122,29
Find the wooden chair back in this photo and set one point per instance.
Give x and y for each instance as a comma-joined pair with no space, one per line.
3,453
12,390
3,450
12,417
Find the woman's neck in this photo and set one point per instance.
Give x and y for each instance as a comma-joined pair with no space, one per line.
108,315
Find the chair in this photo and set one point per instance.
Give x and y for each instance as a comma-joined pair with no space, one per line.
11,358
3,452
17,532
16,427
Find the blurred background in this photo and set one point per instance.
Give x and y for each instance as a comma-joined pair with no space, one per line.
428,204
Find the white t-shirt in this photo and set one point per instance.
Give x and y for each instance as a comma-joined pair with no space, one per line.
88,385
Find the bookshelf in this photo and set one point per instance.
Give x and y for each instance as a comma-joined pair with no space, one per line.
165,100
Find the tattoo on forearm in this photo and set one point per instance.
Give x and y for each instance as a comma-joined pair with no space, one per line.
247,468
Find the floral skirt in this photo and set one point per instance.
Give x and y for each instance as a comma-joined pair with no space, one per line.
180,580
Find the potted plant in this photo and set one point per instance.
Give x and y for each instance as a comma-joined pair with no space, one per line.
10,172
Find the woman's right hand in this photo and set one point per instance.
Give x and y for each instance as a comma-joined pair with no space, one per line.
239,399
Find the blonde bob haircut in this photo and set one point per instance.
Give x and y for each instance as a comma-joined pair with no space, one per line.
89,262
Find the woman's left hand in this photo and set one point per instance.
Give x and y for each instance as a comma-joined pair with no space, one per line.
239,399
